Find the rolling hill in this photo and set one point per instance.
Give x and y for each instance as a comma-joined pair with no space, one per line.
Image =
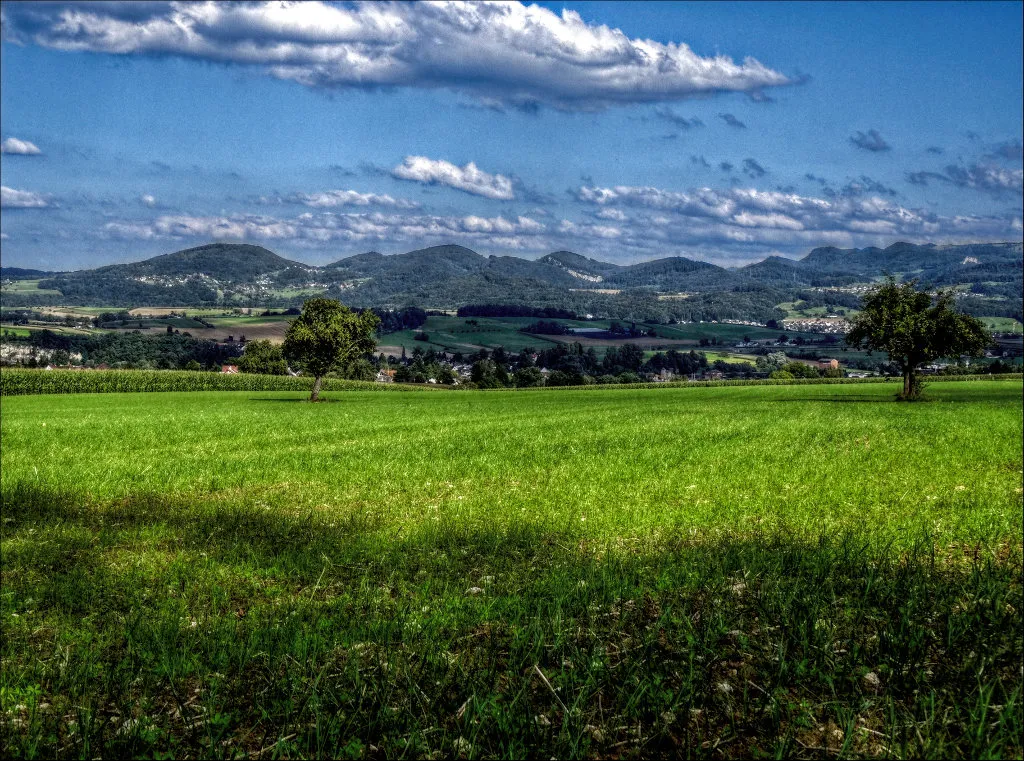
450,275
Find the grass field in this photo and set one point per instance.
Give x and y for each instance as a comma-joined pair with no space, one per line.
1003,324
728,356
27,288
786,571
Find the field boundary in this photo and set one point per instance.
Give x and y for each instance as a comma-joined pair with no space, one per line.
773,382
23,382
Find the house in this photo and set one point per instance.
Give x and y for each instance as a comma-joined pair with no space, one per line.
229,369
386,376
828,364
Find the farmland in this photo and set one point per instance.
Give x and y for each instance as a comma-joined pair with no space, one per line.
786,570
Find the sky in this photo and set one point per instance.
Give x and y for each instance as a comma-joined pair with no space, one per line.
725,132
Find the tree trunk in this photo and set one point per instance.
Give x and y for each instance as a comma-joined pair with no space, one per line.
315,396
909,384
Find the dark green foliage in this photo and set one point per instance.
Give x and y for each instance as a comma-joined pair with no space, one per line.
263,358
394,320
486,373
514,310
327,336
798,370
547,328
915,327
527,377
138,350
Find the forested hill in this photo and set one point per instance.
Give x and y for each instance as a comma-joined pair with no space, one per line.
450,276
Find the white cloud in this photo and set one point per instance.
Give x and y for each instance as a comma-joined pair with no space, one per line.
21,199
467,178
613,214
503,53
758,217
324,227
146,199
18,147
333,198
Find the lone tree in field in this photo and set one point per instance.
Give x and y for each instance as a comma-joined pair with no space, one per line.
915,327
328,336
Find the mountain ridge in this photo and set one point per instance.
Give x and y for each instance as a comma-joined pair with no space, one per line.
451,275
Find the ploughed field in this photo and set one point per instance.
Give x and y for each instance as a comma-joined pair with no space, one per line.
783,570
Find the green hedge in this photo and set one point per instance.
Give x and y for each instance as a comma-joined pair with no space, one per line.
20,381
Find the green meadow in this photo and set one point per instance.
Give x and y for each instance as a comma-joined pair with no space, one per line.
805,570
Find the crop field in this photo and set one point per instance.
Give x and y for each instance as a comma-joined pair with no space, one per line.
1003,324
726,356
805,570
27,287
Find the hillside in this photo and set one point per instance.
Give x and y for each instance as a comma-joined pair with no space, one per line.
449,276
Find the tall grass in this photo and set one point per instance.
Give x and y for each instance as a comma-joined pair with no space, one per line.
19,381
787,570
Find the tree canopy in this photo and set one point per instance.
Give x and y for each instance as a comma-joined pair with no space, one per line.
915,327
328,336
264,358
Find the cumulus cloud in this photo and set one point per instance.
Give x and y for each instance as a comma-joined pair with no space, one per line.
753,217
870,141
613,214
987,178
326,227
732,121
467,178
147,199
500,52
21,199
667,114
16,147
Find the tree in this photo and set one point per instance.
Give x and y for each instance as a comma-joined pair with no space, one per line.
263,358
328,336
484,374
526,377
771,362
915,327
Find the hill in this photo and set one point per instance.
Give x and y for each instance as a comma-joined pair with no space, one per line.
449,276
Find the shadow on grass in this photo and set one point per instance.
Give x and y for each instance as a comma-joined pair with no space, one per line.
930,396
328,629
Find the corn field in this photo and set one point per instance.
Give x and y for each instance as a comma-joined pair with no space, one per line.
20,381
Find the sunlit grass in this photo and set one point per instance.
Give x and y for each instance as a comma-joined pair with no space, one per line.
713,571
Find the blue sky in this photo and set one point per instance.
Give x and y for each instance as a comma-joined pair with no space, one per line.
719,131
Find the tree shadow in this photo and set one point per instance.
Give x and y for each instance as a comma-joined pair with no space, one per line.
452,611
